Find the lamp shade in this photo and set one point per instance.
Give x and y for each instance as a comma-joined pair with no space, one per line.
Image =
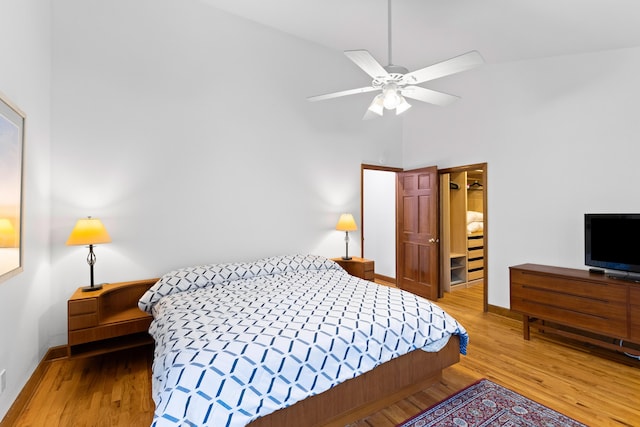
346,223
88,231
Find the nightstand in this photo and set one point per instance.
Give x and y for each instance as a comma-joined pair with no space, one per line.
108,319
359,267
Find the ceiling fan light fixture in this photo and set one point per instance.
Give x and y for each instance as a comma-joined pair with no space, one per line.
376,105
403,106
391,96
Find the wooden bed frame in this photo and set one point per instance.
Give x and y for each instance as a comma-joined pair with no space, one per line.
358,397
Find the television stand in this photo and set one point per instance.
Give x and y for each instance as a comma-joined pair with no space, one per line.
577,304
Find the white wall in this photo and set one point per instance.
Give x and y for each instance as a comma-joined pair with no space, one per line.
379,206
25,302
187,131
560,136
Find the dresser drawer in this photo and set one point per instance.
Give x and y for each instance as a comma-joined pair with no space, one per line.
589,314
475,275
475,264
473,243
634,296
634,314
475,253
596,291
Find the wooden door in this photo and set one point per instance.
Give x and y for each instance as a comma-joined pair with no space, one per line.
417,266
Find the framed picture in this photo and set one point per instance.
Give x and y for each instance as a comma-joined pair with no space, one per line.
12,122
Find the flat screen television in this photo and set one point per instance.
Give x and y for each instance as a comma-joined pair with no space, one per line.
612,242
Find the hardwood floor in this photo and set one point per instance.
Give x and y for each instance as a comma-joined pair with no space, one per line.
596,387
591,385
107,390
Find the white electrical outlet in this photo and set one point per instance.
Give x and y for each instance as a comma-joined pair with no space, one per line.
3,380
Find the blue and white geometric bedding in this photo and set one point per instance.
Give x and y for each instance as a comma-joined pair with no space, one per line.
235,342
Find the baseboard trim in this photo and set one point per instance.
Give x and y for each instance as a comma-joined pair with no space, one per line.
21,402
505,312
59,352
385,278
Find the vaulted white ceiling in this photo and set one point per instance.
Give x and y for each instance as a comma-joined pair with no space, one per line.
429,31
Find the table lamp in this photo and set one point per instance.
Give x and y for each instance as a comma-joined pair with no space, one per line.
346,223
89,231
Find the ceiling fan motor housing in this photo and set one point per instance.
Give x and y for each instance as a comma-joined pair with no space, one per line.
396,69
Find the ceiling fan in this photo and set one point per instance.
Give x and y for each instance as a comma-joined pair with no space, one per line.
396,83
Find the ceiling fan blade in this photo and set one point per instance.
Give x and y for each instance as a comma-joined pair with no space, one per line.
369,65
464,62
342,93
428,95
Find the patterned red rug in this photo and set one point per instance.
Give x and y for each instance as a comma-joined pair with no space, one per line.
485,404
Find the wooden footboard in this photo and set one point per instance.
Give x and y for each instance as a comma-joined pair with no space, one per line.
356,398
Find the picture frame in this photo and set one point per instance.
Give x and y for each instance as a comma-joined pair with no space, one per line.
12,126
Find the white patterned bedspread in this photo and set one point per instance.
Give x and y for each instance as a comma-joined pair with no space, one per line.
238,341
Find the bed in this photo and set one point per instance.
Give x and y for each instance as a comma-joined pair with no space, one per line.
289,340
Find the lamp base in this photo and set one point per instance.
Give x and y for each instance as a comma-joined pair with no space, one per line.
91,288
347,258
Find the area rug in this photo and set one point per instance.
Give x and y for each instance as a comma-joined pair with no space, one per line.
486,404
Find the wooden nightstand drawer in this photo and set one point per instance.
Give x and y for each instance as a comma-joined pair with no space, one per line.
104,332
359,267
83,321
83,307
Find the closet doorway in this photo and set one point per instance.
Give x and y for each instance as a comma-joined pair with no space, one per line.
463,226
378,222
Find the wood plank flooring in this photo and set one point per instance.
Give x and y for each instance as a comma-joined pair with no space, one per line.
597,387
591,385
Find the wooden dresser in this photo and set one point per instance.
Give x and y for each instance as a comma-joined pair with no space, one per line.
359,267
108,319
594,307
